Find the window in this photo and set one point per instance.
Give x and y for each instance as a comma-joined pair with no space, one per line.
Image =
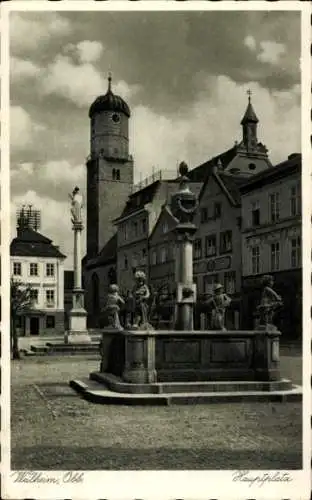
118,175
17,268
274,207
135,261
34,295
255,214
114,174
163,255
209,281
210,245
217,210
144,256
154,258
49,269
226,242
50,322
50,297
275,256
165,227
296,252
198,249
33,268
125,231
252,166
255,260
135,228
229,282
144,225
125,262
295,200
203,215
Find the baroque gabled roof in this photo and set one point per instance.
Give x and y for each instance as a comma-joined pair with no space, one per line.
200,173
30,243
283,169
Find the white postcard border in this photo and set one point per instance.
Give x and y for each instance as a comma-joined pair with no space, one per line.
157,484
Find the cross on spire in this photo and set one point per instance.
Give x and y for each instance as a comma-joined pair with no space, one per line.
249,93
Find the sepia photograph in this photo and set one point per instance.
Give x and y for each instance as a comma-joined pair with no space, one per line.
156,225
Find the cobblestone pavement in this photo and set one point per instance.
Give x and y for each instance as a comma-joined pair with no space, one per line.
53,428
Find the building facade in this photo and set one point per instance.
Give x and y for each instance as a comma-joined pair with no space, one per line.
271,241
35,261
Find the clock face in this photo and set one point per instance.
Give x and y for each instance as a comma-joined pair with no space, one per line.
116,118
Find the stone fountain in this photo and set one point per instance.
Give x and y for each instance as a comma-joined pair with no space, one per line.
141,365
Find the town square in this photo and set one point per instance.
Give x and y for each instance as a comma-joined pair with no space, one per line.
156,251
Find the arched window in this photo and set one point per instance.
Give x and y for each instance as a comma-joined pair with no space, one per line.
95,293
118,175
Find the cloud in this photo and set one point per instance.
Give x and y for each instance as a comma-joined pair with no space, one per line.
29,31
250,42
86,51
271,52
160,142
23,130
20,69
78,83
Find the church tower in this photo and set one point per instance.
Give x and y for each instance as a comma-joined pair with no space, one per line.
109,167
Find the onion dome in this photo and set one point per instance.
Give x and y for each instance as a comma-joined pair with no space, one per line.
109,102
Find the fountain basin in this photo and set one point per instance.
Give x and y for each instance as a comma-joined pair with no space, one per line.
148,356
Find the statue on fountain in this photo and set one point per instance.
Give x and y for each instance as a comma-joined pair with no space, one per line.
141,295
219,302
270,302
112,308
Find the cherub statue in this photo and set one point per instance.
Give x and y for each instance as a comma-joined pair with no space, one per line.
270,301
76,205
141,295
219,302
112,308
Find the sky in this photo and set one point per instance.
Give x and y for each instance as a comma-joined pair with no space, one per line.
185,76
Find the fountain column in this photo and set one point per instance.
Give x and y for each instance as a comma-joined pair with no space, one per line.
78,315
183,207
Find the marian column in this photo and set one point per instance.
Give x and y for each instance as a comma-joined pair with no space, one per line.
183,207
78,315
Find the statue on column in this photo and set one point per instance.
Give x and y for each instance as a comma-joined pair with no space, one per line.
141,295
76,205
270,301
219,302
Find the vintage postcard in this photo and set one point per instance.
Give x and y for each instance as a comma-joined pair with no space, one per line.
155,250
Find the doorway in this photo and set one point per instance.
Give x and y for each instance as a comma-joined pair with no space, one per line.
34,326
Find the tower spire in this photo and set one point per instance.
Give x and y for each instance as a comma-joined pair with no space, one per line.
249,123
109,78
